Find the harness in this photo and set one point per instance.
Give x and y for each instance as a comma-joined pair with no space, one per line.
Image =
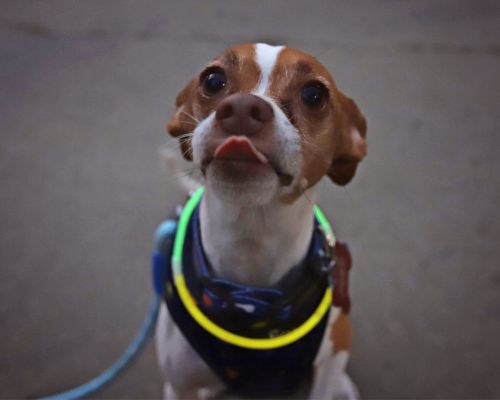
258,341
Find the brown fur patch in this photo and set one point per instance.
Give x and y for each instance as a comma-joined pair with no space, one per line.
292,71
328,143
341,333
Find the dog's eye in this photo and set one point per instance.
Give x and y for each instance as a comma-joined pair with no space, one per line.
214,82
314,94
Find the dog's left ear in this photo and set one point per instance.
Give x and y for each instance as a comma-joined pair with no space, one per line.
180,123
350,128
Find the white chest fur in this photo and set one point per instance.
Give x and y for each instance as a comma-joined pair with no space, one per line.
255,245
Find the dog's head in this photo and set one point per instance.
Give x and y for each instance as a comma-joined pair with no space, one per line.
267,122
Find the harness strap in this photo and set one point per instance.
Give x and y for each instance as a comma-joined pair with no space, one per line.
247,365
216,330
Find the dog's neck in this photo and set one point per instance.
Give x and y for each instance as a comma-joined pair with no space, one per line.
255,245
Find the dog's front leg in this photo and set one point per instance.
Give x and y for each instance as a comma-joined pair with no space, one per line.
205,393
330,378
185,374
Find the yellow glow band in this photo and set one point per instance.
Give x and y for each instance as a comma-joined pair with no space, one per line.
221,333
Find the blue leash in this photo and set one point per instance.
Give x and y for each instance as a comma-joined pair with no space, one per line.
112,372
163,237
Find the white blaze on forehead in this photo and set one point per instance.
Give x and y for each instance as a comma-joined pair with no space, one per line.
266,57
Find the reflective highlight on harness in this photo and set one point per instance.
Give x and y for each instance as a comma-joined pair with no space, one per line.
216,330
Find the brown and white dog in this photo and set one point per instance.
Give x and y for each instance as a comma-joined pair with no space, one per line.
263,124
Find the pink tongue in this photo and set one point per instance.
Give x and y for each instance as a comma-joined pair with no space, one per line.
239,148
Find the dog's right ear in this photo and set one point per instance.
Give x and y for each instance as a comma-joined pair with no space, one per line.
181,123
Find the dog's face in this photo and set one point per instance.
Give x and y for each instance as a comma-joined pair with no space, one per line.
267,122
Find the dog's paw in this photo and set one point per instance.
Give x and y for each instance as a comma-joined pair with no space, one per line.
168,392
331,381
343,388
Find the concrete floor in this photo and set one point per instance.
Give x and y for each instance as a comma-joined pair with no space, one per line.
86,88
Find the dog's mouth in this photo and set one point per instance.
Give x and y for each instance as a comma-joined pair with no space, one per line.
239,149
241,157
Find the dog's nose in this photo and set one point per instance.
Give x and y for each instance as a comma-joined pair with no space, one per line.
243,114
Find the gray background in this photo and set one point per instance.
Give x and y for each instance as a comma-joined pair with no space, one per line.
86,88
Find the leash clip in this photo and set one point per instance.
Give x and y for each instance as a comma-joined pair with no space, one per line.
328,258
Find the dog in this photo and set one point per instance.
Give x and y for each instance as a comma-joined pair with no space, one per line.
263,124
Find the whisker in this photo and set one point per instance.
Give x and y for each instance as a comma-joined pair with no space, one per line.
304,193
180,173
323,52
314,149
173,142
191,116
185,137
348,194
180,178
190,123
185,152
226,44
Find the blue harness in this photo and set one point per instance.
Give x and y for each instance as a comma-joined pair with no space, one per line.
252,312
